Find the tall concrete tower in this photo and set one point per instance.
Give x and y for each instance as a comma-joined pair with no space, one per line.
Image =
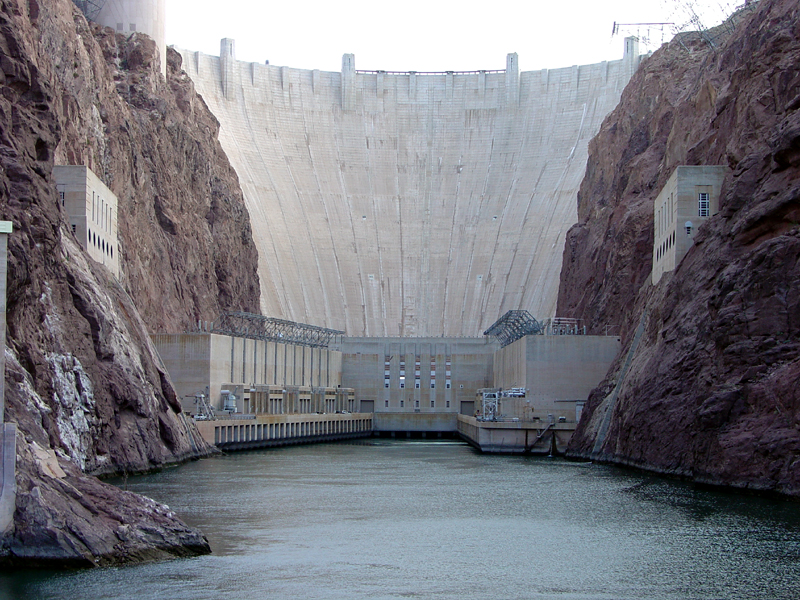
127,16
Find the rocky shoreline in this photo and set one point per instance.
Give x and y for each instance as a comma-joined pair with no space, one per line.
84,385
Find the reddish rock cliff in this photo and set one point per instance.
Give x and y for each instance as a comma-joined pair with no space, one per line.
83,382
708,388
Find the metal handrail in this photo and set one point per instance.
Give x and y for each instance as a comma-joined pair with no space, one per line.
382,72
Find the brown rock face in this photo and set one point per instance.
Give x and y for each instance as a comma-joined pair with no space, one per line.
708,389
83,381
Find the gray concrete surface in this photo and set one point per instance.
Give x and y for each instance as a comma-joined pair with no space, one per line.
408,204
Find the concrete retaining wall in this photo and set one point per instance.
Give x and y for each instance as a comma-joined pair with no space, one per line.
266,431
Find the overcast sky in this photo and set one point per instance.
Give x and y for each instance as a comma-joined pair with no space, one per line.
425,35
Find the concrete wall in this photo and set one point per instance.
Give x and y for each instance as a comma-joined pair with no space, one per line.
515,437
364,369
557,370
92,211
675,206
8,431
280,430
5,229
207,363
410,421
408,204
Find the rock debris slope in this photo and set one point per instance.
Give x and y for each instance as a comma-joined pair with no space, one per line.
709,386
83,381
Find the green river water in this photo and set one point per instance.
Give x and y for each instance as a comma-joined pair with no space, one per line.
415,519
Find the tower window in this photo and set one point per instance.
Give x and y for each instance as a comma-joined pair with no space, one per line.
703,205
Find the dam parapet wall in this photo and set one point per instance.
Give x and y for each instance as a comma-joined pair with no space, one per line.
374,90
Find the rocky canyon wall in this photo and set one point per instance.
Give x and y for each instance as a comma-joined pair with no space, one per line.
83,382
706,386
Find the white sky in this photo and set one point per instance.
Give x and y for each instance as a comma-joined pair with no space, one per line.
424,35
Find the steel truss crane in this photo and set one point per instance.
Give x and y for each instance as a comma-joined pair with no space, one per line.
90,8
514,325
258,327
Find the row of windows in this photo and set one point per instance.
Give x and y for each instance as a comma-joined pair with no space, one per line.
101,212
416,403
387,383
387,377
664,215
99,243
665,245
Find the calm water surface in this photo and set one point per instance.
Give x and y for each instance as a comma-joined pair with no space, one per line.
391,519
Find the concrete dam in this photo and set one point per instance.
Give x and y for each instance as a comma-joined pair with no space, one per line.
411,204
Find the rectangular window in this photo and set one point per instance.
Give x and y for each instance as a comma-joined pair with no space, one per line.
447,384
416,384
433,403
402,374
447,404
74,228
386,403
703,205
402,403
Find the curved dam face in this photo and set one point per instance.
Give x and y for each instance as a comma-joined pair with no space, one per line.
408,204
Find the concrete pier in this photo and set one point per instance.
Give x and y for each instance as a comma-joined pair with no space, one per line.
8,431
266,431
516,437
